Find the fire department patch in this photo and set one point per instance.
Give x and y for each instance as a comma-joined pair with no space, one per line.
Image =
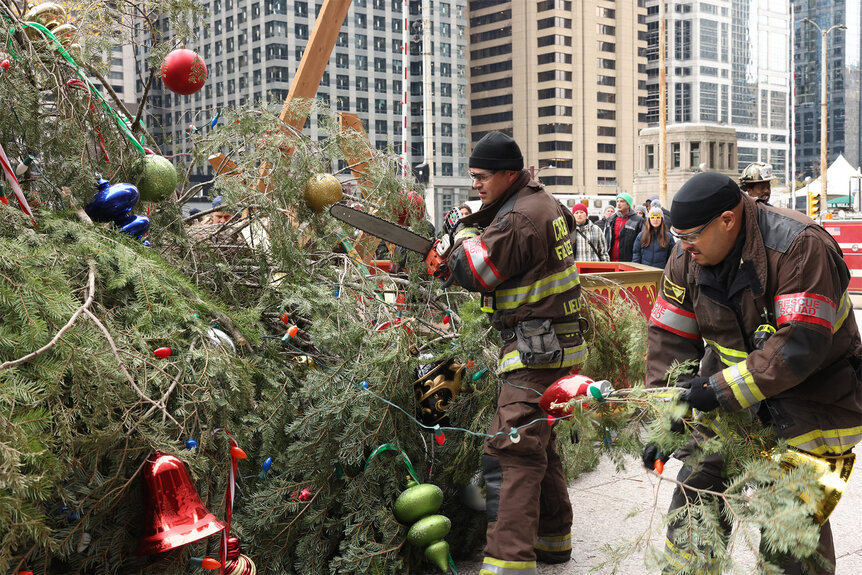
673,291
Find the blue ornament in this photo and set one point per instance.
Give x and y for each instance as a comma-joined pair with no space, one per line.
214,121
147,244
335,293
191,444
134,225
112,202
267,464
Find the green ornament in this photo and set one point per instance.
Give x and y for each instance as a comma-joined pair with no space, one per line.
156,178
418,501
438,554
428,530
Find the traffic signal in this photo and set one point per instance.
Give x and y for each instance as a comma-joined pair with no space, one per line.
813,204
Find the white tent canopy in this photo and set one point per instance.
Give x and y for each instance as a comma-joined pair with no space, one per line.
842,179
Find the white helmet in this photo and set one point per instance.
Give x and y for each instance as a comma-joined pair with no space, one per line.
754,174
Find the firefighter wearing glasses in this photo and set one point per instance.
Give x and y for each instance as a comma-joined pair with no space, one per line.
516,252
741,265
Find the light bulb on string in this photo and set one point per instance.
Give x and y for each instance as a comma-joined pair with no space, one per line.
24,165
264,469
439,436
163,352
513,435
205,562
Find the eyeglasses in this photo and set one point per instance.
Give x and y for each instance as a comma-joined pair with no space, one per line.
656,218
693,236
481,177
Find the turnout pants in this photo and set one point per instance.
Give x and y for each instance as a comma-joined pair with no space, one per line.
529,513
710,475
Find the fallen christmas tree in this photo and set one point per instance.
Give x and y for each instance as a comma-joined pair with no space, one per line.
267,327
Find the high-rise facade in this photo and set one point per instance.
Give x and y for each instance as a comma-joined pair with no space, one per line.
727,64
844,109
252,50
567,80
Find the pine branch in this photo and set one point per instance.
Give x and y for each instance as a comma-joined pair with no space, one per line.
91,290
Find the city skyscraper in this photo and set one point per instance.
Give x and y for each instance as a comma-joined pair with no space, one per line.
844,109
252,50
727,64
567,80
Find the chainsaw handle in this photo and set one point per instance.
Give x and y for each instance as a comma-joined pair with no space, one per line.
436,264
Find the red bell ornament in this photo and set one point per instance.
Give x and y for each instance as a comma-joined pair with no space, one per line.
175,514
184,71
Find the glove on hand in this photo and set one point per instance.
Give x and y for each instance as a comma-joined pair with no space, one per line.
698,393
651,455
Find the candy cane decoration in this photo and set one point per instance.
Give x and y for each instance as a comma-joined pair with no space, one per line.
13,182
235,455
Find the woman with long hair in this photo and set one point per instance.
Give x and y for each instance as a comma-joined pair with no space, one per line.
654,244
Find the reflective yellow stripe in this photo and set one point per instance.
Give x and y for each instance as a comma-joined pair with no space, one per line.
554,542
728,355
827,441
681,559
554,284
572,356
843,311
742,384
491,566
714,422
466,233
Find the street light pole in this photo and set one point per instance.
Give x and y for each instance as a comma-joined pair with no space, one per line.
823,95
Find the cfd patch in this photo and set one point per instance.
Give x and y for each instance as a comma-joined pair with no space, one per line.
673,291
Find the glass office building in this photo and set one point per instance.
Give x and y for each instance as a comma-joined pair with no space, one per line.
843,103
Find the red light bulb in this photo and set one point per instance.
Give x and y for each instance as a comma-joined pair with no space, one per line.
163,352
237,453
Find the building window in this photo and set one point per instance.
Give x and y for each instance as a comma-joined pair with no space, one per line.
606,182
552,57
708,39
650,157
606,97
682,39
682,103
301,31
606,46
606,131
555,146
606,114
606,81
555,129
708,102
675,155
606,165
694,154
606,64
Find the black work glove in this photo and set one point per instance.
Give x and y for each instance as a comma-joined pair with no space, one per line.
650,455
698,393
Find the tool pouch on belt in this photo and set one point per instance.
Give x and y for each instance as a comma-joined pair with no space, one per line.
537,342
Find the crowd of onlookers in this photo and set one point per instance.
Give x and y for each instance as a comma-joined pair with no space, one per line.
627,233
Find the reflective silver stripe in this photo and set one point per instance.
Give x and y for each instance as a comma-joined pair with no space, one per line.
554,543
572,356
674,319
480,264
553,284
806,307
500,567
741,383
467,233
827,441
566,328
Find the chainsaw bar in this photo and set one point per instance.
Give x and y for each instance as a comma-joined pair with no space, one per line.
380,228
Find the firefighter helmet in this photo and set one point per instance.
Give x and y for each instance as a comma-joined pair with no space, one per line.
755,173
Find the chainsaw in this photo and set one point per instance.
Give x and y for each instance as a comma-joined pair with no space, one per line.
434,250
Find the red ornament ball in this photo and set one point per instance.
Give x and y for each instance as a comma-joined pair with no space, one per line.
184,71
5,64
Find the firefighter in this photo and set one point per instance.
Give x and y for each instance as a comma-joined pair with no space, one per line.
516,252
756,181
743,270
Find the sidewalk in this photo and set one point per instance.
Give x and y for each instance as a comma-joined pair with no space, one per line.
611,507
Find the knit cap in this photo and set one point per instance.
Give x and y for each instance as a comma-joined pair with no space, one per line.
703,197
627,198
579,208
496,151
656,211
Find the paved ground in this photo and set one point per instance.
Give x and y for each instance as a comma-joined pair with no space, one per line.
613,506
610,507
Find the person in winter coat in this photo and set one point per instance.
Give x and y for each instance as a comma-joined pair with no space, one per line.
588,239
654,244
516,252
744,269
621,230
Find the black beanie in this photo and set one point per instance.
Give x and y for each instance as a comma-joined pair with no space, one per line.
703,197
496,151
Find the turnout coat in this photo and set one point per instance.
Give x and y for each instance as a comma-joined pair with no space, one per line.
805,381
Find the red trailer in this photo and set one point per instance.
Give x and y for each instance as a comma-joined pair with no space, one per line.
848,234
